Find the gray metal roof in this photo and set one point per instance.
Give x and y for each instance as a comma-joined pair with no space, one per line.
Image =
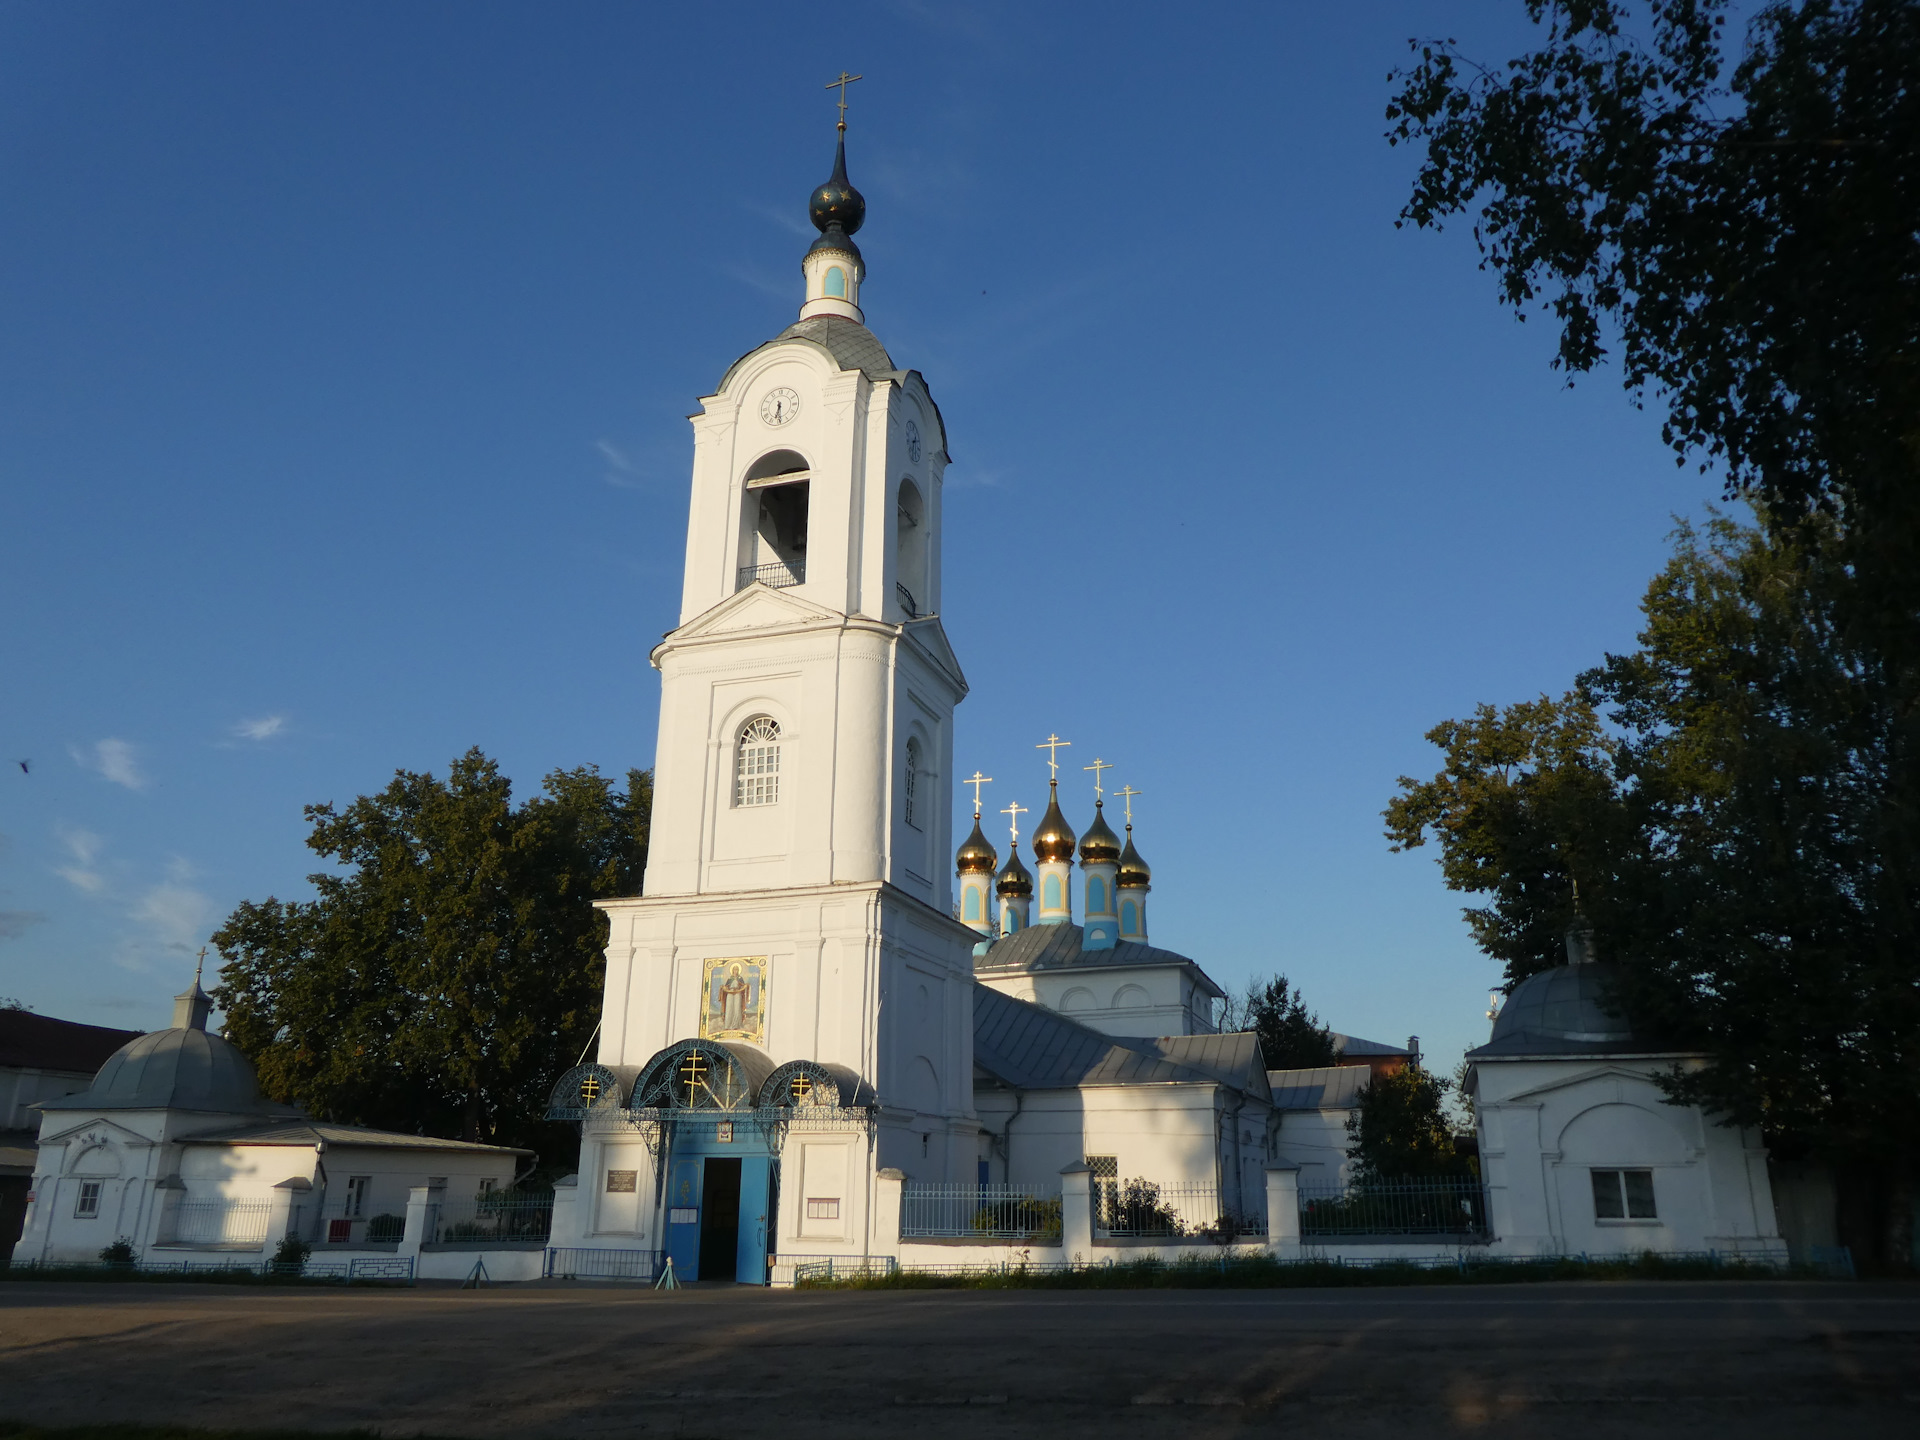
1031,1047
178,1069
1060,947
1326,1087
1564,1011
852,345
309,1132
1353,1045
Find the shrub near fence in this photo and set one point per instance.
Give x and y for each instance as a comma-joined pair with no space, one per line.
499,1217
1141,1209
978,1212
1396,1207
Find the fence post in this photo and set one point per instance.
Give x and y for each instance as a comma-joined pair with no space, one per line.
1076,1212
569,1214
421,1202
1283,1210
280,1211
886,1213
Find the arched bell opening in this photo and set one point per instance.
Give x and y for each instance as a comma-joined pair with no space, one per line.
773,521
910,551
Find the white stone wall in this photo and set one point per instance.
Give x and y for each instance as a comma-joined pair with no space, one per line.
1546,1125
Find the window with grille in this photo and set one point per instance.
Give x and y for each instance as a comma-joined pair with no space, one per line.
357,1187
1623,1195
757,771
819,1208
88,1205
1104,1167
910,783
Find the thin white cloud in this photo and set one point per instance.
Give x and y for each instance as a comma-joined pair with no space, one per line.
15,923
174,917
264,728
111,760
84,846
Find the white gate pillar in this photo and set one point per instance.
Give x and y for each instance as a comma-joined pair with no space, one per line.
1283,1210
1076,1212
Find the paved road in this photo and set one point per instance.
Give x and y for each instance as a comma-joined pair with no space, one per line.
1587,1360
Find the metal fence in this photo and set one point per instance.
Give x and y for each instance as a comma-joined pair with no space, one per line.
216,1222
1399,1207
498,1217
1142,1209
979,1212
587,1263
778,576
798,1269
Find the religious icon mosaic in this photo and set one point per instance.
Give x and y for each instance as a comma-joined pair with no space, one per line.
733,999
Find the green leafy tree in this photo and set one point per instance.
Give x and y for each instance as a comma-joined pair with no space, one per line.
453,971
1747,855
1400,1129
1291,1038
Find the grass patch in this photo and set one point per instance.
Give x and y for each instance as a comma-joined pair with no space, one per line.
1258,1272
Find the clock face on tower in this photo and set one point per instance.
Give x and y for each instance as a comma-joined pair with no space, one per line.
913,442
780,406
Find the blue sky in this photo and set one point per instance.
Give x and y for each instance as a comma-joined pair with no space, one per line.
344,362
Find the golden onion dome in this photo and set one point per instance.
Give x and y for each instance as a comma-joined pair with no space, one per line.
1099,846
1014,878
977,856
1135,874
1053,840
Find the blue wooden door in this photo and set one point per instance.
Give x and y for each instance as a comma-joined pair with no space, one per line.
752,1266
683,1216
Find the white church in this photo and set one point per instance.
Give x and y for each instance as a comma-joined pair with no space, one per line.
811,1049
802,1022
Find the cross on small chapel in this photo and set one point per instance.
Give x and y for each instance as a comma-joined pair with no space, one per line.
1052,745
1015,810
1097,766
199,965
1129,795
841,84
977,780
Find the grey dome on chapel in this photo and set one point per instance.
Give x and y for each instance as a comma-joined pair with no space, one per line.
1563,1011
178,1069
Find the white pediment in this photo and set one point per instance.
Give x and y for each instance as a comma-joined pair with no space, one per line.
758,607
1581,1077
931,637
97,1130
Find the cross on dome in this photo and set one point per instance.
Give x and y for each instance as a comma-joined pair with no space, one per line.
977,780
1053,745
1015,811
1129,795
1097,766
842,83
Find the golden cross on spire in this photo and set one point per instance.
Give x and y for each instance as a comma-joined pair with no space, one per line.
977,780
1129,795
199,965
842,83
1015,810
1097,766
1053,744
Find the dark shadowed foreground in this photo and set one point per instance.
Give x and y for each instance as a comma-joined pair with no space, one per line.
1753,1359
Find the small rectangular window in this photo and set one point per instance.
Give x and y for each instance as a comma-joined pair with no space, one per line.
357,1186
1104,1167
683,1215
1623,1195
622,1182
88,1205
822,1208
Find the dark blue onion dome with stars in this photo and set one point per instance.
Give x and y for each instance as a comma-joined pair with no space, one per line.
837,209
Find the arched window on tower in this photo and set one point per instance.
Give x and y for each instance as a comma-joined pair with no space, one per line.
836,282
756,773
910,782
910,551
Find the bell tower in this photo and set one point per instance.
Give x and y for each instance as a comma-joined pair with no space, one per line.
797,909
